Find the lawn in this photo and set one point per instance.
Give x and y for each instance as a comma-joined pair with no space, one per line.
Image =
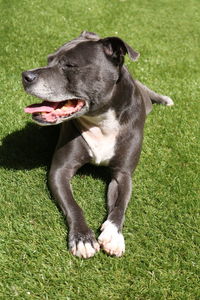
162,259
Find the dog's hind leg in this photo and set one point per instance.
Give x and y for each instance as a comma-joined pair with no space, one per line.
155,97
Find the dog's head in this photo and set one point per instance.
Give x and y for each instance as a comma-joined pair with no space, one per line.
79,79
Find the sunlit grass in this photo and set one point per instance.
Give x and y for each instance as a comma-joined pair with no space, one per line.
162,221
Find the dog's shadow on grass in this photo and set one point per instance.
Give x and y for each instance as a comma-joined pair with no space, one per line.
28,148
33,147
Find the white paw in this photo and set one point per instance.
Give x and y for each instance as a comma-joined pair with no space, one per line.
85,250
111,240
168,101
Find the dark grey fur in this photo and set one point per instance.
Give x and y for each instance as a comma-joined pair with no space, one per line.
92,69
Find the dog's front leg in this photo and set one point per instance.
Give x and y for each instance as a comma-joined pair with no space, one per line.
66,161
119,191
82,242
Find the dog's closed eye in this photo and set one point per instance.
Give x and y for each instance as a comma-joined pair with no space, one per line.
69,65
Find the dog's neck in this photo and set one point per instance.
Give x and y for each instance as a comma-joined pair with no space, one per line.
105,122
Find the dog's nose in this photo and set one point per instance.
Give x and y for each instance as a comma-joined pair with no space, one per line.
28,76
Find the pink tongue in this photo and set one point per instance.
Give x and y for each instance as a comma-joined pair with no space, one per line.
45,106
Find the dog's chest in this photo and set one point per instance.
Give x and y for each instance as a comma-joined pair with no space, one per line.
100,133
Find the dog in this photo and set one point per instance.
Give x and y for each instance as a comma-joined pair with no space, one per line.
87,88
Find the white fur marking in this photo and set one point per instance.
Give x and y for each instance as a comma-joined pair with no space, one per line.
111,240
168,101
100,133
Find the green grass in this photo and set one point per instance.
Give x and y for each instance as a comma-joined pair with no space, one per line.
162,259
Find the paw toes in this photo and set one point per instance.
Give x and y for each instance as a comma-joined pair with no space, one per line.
81,250
96,246
84,249
111,240
116,248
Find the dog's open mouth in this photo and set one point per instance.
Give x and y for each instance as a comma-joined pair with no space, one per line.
50,113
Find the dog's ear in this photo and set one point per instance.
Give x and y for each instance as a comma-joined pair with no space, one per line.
116,49
89,35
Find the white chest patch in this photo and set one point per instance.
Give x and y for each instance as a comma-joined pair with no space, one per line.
100,133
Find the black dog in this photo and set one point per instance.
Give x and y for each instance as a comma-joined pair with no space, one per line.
86,82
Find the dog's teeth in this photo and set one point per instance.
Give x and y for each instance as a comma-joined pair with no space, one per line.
64,107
